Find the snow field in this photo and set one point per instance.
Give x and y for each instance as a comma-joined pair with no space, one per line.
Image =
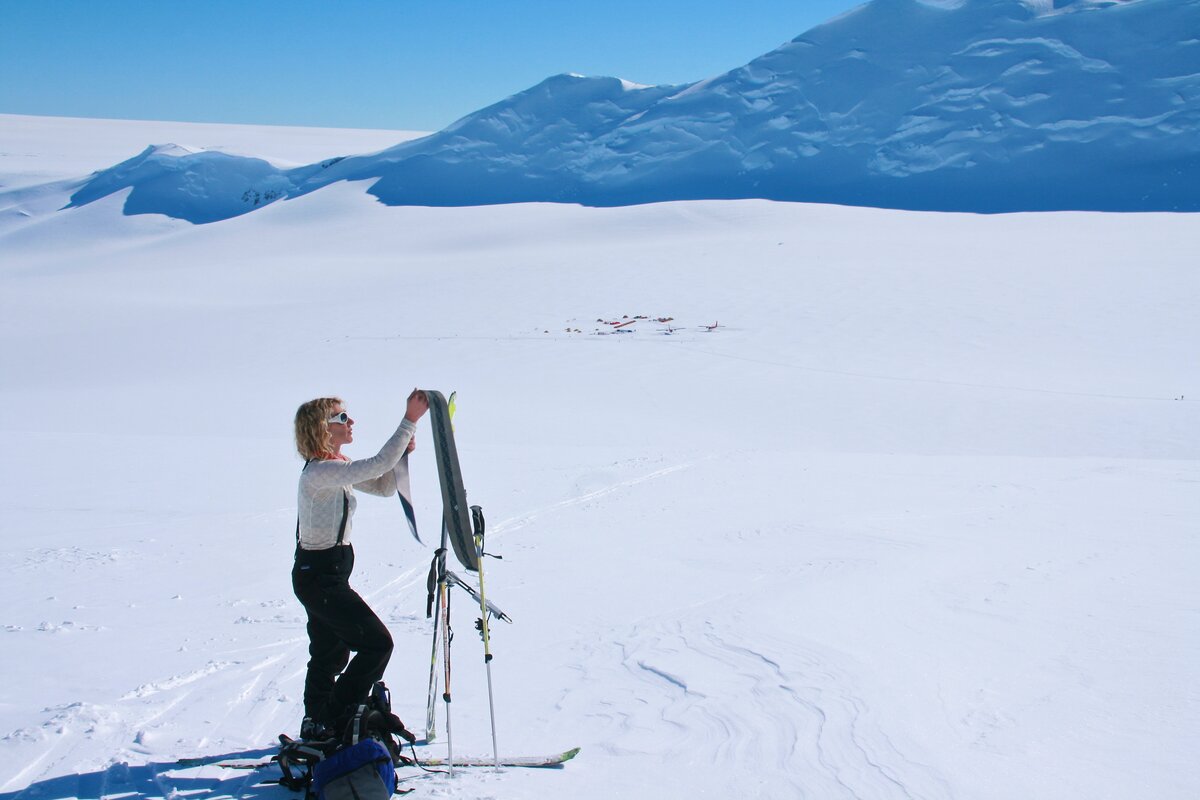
916,520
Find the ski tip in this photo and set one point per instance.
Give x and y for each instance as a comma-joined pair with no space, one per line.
574,751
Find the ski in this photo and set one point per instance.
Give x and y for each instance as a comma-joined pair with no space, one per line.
455,512
404,492
403,485
533,762
549,761
247,765
227,758
465,535
435,609
226,761
456,526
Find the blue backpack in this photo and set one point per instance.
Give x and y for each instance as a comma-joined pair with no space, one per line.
362,771
358,765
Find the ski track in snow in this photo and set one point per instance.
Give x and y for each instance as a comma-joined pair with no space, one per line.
139,722
148,689
521,520
148,712
135,723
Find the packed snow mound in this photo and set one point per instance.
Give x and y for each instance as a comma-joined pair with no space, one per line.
956,105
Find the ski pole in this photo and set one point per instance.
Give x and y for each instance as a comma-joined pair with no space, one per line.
433,608
478,524
444,589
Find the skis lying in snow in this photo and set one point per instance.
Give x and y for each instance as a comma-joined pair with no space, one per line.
520,761
548,761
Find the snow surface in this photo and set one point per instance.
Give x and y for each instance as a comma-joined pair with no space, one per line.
916,519
980,105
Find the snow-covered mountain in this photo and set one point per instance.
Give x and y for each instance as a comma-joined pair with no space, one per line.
970,105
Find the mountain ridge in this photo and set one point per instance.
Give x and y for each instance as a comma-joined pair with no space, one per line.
979,105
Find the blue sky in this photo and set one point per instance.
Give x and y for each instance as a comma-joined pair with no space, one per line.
406,64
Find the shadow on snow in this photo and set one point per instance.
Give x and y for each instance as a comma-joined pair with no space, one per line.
156,780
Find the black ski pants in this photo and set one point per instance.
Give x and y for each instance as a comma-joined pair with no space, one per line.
339,621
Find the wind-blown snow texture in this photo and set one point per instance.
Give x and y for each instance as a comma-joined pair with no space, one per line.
979,105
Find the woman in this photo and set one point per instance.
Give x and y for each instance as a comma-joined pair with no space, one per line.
339,621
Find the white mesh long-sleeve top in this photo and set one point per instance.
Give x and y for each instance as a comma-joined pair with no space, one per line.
322,484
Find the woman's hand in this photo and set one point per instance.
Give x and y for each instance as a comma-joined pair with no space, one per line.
418,404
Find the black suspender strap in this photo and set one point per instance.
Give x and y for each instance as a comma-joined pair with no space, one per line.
345,512
307,461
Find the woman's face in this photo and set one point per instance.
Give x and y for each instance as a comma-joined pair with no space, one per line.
340,433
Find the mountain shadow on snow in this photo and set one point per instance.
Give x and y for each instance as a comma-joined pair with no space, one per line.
950,105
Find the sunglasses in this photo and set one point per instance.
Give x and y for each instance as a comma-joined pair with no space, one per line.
339,418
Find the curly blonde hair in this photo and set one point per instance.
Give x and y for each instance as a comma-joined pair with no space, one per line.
312,426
